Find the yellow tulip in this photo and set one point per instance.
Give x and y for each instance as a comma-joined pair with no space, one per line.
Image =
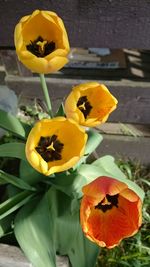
90,104
41,42
55,145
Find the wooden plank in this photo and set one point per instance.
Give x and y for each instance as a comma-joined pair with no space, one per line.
134,130
105,23
11,63
136,66
126,147
133,96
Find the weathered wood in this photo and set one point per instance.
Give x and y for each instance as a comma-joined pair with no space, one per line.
132,64
133,97
11,63
134,130
11,256
126,147
105,23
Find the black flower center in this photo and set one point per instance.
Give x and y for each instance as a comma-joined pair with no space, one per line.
50,148
107,203
84,105
41,47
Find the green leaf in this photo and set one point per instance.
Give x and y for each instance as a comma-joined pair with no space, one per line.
30,175
34,232
91,172
11,124
13,203
60,111
108,165
66,220
83,252
11,179
13,150
94,139
5,225
70,184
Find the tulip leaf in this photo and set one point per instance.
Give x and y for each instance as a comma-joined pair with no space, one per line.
13,150
5,225
29,174
83,252
14,203
12,124
60,111
66,221
11,179
34,230
94,139
71,184
108,165
91,172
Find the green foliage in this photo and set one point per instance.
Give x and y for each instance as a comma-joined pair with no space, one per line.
11,179
14,203
42,224
13,150
45,210
94,139
60,111
34,232
12,124
83,252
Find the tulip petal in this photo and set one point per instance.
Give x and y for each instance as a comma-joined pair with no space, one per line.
103,185
93,105
114,225
108,226
46,26
65,134
56,63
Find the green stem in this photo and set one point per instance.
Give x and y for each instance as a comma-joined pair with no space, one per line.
46,94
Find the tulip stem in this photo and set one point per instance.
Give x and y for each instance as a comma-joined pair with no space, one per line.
46,94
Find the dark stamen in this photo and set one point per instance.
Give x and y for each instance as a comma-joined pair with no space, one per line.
113,201
50,153
36,49
84,105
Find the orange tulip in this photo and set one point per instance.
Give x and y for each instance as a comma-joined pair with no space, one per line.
109,212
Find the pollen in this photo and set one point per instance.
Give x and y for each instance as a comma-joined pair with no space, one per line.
40,47
50,148
84,106
108,203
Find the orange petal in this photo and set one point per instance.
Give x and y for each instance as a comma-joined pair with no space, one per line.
110,227
129,194
103,185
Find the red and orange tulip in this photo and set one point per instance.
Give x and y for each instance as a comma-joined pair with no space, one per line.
109,212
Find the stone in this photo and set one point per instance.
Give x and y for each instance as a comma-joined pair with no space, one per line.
11,256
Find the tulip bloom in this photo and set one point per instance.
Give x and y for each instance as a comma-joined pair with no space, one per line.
55,145
41,42
90,104
109,212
